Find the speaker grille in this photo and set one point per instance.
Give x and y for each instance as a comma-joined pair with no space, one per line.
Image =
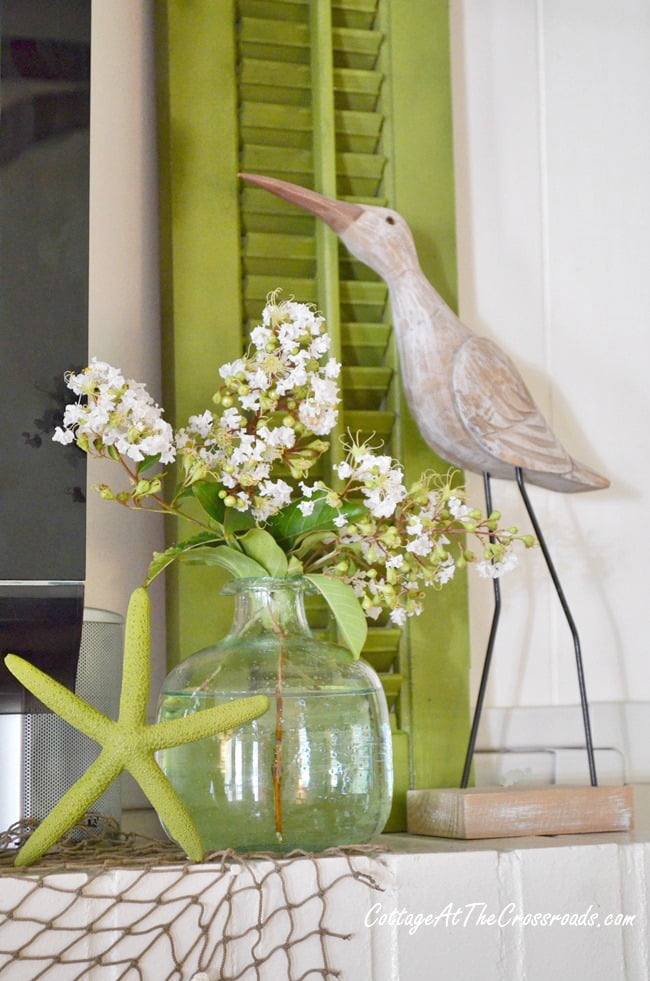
56,754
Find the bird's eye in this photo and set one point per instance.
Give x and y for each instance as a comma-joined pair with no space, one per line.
390,220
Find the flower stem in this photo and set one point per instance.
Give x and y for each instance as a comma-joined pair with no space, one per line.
276,769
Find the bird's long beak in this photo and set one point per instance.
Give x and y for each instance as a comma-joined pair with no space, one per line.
338,214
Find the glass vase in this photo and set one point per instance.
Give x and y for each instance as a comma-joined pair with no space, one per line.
315,771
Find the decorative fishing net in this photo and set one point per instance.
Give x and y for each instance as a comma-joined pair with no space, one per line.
118,906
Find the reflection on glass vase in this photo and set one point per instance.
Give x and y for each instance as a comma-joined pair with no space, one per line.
316,770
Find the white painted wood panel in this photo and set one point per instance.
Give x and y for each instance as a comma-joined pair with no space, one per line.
124,316
552,143
124,320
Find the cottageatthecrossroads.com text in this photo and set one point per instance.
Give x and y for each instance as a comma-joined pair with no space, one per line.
479,915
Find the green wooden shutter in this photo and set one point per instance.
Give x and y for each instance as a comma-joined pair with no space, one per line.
321,94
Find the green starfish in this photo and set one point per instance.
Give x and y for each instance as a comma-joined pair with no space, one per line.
128,743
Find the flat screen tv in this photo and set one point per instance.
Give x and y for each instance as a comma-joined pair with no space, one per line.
44,178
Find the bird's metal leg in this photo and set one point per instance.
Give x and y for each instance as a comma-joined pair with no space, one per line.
493,630
488,654
572,627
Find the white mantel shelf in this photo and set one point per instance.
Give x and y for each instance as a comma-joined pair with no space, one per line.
465,888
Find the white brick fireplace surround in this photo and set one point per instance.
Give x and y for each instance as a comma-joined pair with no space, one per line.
567,908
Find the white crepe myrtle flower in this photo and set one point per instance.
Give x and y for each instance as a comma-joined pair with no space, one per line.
384,498
320,346
260,337
250,401
446,572
458,509
280,437
231,368
201,424
307,489
231,419
321,419
395,562
64,436
272,496
115,413
96,377
493,570
332,368
422,545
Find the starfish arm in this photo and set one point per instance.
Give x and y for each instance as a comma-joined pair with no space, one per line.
136,672
207,722
65,703
170,808
72,806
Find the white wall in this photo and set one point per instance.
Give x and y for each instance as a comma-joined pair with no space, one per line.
551,108
124,310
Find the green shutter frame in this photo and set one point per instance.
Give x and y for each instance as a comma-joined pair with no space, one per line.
351,97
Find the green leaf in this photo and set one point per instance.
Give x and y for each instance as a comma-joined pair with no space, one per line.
161,560
262,547
310,543
207,494
290,523
147,463
295,567
235,520
238,564
350,618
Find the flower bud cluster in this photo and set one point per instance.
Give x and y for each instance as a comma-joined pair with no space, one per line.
271,408
410,539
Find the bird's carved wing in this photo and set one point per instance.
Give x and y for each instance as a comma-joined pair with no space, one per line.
499,412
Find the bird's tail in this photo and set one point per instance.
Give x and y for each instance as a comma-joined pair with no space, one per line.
580,478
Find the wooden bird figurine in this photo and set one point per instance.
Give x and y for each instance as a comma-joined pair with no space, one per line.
468,399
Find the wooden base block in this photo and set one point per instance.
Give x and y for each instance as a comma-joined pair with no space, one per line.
505,812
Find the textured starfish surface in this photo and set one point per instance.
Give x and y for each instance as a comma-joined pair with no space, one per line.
128,743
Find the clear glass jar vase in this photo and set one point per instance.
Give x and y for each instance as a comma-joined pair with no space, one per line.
315,771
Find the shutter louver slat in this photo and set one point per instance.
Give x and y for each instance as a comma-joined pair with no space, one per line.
365,387
357,132
264,212
297,254
359,178
369,424
356,89
354,13
283,10
287,163
364,344
363,300
261,122
275,81
274,40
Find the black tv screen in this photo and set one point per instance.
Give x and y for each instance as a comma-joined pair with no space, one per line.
44,180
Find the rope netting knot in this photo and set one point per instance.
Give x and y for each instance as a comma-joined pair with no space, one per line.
121,906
